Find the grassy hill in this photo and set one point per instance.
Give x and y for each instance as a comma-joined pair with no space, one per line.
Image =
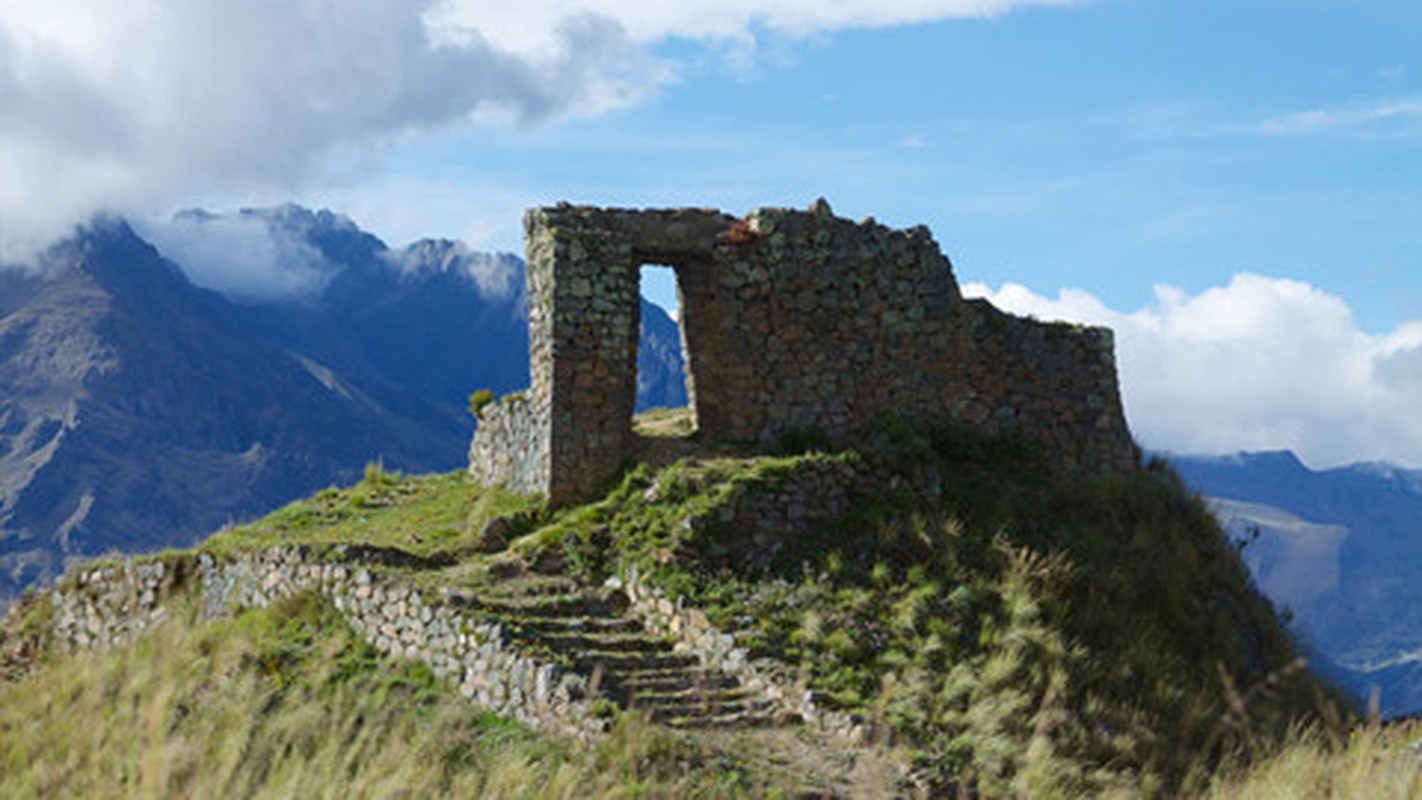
983,628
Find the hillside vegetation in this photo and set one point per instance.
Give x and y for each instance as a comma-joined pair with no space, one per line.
1000,632
287,702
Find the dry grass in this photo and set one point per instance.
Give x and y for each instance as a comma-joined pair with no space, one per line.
1026,640
1373,761
664,422
285,703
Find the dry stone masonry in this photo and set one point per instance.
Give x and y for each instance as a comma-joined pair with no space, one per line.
106,606
717,650
472,654
592,644
790,320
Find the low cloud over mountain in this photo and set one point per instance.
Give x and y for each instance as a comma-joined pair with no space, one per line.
138,410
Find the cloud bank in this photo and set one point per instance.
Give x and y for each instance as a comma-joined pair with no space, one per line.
244,256
138,106
1262,363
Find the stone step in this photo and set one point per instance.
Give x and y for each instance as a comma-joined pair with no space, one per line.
531,587
680,709
555,625
709,706
553,605
733,718
636,670
594,641
678,706
693,696
619,663
678,680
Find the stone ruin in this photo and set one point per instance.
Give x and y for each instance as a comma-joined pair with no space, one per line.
790,321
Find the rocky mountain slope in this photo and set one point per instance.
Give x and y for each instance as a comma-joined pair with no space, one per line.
1341,549
139,411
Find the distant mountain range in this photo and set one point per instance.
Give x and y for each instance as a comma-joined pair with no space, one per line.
1341,549
139,411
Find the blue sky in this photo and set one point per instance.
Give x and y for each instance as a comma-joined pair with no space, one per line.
1110,146
1234,186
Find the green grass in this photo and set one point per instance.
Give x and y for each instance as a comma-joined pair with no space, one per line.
1025,634
653,514
428,516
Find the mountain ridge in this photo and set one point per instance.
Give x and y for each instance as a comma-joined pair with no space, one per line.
1341,549
139,410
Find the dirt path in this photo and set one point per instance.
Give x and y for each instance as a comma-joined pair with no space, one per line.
812,764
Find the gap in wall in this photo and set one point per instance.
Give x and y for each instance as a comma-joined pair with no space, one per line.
661,373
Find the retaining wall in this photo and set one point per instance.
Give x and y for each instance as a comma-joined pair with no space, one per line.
107,606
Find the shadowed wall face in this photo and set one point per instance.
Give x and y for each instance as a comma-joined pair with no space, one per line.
790,320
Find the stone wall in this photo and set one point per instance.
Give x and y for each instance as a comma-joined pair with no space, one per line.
398,620
105,605
693,633
1052,383
514,448
789,320
102,607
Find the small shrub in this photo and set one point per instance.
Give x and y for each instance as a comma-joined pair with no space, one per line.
377,475
602,708
478,400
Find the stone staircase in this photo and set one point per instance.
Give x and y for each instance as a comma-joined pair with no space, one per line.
533,646
591,631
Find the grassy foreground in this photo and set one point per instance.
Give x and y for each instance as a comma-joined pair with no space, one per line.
1366,761
1011,634
287,702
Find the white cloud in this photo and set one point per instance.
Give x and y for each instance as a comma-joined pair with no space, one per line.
1371,119
496,276
1379,118
523,25
1262,363
242,255
138,106
131,106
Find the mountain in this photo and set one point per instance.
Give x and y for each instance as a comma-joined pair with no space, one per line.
1341,549
139,411
660,378
432,321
